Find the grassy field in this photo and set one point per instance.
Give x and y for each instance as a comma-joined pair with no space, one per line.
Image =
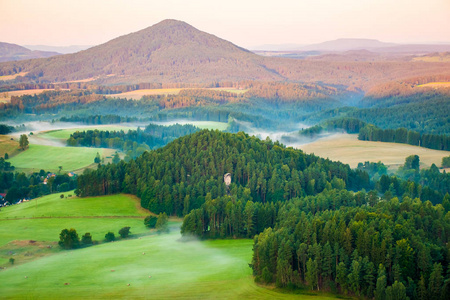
435,84
148,265
8,146
348,149
64,134
11,77
6,96
49,158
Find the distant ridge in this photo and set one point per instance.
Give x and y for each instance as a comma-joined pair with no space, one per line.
59,49
347,45
13,52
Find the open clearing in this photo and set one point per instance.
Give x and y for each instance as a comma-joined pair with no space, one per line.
11,77
146,265
137,94
435,84
8,146
348,149
49,158
6,96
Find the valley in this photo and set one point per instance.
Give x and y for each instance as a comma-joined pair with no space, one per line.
169,162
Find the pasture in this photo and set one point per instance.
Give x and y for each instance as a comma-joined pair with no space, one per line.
348,149
435,84
6,96
49,158
145,265
8,146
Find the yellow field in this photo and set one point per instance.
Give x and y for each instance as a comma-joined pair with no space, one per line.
137,95
6,96
435,58
8,146
11,77
348,149
435,84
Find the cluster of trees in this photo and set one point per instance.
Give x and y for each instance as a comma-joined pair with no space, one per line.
5,165
160,222
405,136
446,162
381,249
134,142
22,186
177,178
6,129
69,239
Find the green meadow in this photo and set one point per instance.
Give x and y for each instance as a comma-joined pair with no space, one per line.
146,265
49,158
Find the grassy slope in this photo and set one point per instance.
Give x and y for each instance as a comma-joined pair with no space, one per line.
348,149
211,269
96,215
49,158
8,146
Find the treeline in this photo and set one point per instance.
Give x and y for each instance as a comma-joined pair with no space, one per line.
350,125
177,178
22,186
6,129
386,249
133,142
405,136
98,119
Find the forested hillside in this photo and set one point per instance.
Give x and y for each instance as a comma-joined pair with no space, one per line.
179,177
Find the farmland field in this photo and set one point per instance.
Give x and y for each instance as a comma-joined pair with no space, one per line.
348,149
435,84
8,146
156,266
49,158
6,96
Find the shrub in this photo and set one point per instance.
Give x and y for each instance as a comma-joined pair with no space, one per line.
109,237
86,239
150,221
124,232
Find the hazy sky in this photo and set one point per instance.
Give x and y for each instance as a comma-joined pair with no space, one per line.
246,23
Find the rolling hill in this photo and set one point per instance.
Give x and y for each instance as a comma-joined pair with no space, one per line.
13,52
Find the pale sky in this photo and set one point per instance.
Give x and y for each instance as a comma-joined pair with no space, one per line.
246,23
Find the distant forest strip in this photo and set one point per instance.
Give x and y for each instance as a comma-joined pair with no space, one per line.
99,119
369,132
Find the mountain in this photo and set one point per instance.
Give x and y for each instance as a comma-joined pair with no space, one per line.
59,49
170,51
347,44
13,52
